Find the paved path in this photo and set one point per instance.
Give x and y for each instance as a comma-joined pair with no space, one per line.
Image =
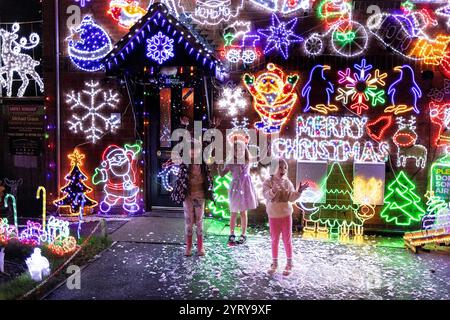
147,262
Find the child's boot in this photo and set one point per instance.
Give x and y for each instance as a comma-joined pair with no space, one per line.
200,248
188,252
288,269
273,267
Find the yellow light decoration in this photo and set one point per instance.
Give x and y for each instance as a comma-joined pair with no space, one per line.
44,204
274,97
367,192
431,51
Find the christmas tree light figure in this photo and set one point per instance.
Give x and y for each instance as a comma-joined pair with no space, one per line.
75,186
339,214
402,204
221,208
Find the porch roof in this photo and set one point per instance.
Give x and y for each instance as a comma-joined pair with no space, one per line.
159,19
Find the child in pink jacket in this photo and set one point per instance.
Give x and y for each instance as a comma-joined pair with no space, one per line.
279,193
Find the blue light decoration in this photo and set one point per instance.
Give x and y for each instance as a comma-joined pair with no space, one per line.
271,5
159,19
83,2
160,48
325,84
88,44
444,12
396,97
280,35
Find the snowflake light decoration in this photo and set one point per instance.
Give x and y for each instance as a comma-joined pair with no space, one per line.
361,87
91,120
160,48
280,35
233,100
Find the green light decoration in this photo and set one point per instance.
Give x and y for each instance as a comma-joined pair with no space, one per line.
345,37
14,208
221,208
339,212
402,206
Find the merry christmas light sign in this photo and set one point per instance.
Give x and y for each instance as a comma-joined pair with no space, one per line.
331,138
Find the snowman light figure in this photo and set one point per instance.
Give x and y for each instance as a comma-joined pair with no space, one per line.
118,173
38,266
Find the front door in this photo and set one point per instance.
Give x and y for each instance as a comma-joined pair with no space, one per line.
165,105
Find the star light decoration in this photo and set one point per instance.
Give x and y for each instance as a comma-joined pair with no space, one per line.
361,87
91,121
233,100
160,48
280,35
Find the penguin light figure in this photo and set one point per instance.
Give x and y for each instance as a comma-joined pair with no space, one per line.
317,77
396,107
38,266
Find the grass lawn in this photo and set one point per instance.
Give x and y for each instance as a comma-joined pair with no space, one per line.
17,252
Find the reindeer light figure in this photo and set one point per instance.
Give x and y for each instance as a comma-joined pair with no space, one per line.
14,61
405,139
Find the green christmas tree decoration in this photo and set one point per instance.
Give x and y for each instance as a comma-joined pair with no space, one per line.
339,209
402,205
221,207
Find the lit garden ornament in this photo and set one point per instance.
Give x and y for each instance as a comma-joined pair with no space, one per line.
361,87
83,2
160,48
13,61
88,44
90,117
274,97
440,116
2,260
444,12
287,6
38,266
232,99
280,36
168,171
42,190
14,209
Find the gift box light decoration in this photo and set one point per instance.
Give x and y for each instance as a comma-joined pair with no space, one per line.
330,138
126,12
88,44
118,174
13,61
280,36
318,79
90,108
405,139
75,186
397,106
361,87
274,97
403,205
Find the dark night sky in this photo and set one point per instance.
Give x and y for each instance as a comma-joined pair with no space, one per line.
20,10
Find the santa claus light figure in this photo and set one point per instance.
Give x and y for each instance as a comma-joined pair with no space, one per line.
118,173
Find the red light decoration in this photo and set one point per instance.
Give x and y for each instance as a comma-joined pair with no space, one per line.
376,129
440,116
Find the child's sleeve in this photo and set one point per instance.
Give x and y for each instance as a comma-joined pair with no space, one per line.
293,194
267,190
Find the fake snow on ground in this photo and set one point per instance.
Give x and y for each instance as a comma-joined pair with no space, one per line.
323,270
